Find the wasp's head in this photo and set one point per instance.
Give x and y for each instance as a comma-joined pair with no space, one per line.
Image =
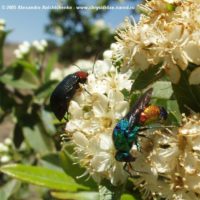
123,156
163,113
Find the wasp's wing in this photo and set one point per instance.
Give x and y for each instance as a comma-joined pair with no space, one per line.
134,115
62,94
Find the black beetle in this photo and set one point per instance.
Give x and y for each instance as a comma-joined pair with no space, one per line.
64,92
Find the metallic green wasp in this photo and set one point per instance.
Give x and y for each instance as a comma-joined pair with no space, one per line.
126,131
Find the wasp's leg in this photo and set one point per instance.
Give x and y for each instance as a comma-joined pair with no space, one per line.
138,146
128,164
127,170
142,135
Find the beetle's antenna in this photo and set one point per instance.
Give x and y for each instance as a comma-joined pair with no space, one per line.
77,67
95,59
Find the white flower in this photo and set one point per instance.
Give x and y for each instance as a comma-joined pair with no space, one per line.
5,159
58,31
169,164
100,24
168,34
40,45
56,74
3,148
8,141
44,43
18,54
23,49
94,112
2,24
107,55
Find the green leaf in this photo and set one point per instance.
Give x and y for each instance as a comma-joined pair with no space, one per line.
162,90
110,192
39,141
76,196
127,197
18,136
52,179
67,163
51,161
47,122
147,77
49,67
174,115
170,7
3,195
3,35
173,109
19,78
188,96
26,65
45,90
8,189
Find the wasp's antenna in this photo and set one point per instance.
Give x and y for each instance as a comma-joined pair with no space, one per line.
143,128
189,109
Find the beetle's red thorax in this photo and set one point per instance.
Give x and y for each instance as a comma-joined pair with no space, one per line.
82,74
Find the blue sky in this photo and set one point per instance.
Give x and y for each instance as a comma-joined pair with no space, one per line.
29,24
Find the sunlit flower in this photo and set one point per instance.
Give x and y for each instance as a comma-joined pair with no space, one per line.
100,24
40,45
5,159
168,34
3,147
58,31
23,50
8,141
56,74
2,24
169,164
93,114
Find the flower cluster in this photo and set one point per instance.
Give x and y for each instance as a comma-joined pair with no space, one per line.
25,48
169,164
94,111
167,33
5,151
40,46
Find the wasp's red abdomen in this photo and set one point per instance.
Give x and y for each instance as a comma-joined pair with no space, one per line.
150,113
